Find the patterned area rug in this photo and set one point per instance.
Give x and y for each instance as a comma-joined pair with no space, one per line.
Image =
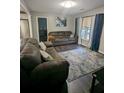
82,61
66,47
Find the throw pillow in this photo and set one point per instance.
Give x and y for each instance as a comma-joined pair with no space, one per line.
46,56
42,45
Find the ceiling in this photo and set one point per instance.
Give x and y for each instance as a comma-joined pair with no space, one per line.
53,6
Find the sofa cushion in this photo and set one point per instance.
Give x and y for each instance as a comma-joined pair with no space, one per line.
33,41
50,73
30,56
61,40
63,43
71,39
22,43
68,33
48,44
53,53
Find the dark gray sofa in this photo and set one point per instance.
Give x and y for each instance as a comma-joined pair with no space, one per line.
61,38
38,76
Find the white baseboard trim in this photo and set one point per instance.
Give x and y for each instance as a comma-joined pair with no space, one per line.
101,52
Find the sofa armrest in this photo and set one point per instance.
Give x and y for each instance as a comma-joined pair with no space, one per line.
48,44
50,73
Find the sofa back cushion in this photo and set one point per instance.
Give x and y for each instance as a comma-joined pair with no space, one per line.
60,33
53,53
30,56
28,40
33,41
22,43
68,33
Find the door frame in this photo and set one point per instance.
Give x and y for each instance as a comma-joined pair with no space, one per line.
38,26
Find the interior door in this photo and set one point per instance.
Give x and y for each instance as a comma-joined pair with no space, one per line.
42,28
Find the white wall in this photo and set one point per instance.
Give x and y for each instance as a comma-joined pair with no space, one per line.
101,46
94,12
51,25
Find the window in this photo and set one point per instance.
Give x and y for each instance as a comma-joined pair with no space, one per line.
86,28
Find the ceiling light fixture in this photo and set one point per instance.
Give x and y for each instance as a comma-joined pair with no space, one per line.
68,3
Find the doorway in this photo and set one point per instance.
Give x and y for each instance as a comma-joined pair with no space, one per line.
24,28
42,29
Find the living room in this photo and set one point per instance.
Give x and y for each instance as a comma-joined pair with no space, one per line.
33,16
66,57
68,35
